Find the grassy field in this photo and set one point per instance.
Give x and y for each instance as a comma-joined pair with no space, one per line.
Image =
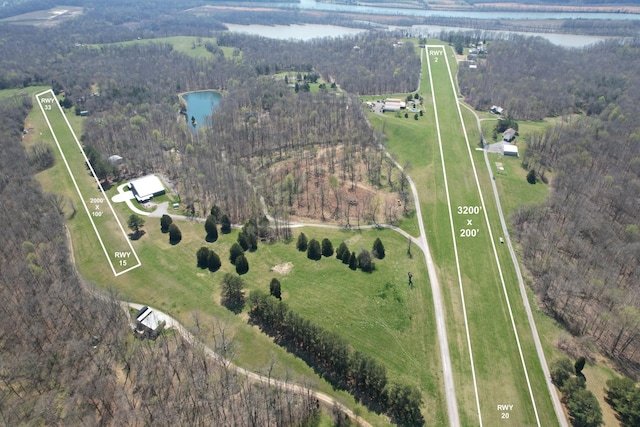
110,233
189,45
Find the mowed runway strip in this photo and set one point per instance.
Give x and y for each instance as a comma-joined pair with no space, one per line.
499,380
110,233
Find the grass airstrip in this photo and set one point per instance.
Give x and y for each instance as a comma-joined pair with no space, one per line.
376,313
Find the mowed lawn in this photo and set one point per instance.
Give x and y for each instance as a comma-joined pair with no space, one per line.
112,235
378,313
499,371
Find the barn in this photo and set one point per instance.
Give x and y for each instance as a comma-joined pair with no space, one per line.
510,150
146,187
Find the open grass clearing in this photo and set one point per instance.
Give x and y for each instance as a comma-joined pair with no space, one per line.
189,45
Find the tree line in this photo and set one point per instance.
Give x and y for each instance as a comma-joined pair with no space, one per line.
336,361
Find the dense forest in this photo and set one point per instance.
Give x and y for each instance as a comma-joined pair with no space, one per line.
582,246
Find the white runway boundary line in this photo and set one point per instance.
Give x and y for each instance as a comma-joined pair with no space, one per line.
82,199
453,232
493,245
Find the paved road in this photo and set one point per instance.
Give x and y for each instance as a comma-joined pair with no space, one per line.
523,290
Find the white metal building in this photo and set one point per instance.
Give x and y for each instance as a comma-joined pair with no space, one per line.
146,187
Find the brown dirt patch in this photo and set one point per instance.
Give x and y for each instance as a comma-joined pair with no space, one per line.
284,268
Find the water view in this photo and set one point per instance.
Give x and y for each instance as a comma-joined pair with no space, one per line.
311,31
200,105
295,31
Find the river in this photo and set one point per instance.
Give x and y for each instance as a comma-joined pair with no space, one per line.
313,5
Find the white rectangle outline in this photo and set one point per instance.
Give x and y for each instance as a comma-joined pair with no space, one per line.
95,229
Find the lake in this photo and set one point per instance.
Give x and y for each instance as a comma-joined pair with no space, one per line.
311,31
200,105
294,31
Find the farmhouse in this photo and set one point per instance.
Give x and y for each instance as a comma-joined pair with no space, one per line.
509,135
496,109
146,187
510,150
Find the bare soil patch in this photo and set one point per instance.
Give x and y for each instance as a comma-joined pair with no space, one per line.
284,268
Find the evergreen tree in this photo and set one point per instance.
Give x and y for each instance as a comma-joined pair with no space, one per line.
211,228
165,222
624,397
343,252
302,243
404,405
213,261
175,235
232,295
353,261
579,365
531,177
225,224
274,289
250,230
242,265
243,241
216,213
234,252
364,261
327,248
203,257
313,251
584,409
378,249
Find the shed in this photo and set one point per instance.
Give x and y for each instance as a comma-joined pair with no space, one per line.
510,150
146,187
509,135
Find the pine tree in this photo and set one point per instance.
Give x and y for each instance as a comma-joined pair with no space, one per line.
216,213
343,252
225,224
378,249
364,261
213,261
302,243
211,228
353,261
243,240
234,252
327,247
242,265
165,222
274,289
175,235
203,257
313,251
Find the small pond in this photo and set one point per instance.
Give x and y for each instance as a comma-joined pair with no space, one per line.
200,105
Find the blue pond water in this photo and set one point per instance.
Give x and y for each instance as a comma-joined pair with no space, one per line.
200,105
